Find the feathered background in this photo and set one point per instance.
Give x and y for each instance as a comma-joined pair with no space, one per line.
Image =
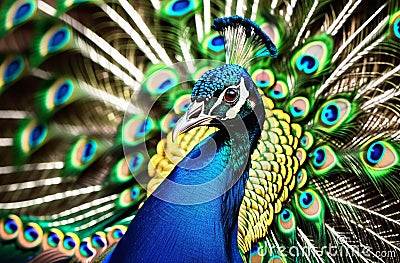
88,93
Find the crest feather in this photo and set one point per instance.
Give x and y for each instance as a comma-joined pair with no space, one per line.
244,40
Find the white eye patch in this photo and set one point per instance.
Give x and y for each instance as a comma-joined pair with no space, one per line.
243,95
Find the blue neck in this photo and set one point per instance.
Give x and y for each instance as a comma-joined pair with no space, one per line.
193,215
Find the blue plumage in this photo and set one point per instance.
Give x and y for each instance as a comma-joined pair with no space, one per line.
177,231
193,214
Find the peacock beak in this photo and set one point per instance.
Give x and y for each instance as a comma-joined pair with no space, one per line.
193,117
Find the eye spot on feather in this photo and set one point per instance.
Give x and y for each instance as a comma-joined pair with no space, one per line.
31,236
135,162
307,140
85,249
313,57
83,153
286,222
212,46
33,136
319,157
160,79
333,114
165,85
54,238
136,129
330,114
118,233
89,151
272,31
286,215
178,8
63,93
301,178
180,5
98,240
263,78
58,38
395,26
129,196
115,233
299,107
324,159
278,91
307,63
310,205
23,11
55,40
218,41
168,122
379,157
216,44
375,153
306,200
182,104
37,135
129,167
13,69
10,227
69,244
60,93
135,192
20,12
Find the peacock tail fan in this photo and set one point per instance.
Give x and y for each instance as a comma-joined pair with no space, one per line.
90,91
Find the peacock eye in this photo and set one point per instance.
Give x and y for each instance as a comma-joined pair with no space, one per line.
231,95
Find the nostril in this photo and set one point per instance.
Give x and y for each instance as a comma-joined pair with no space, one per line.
194,110
194,113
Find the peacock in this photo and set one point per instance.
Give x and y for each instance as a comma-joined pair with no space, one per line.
106,131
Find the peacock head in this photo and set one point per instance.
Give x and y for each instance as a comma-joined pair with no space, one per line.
227,95
221,97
